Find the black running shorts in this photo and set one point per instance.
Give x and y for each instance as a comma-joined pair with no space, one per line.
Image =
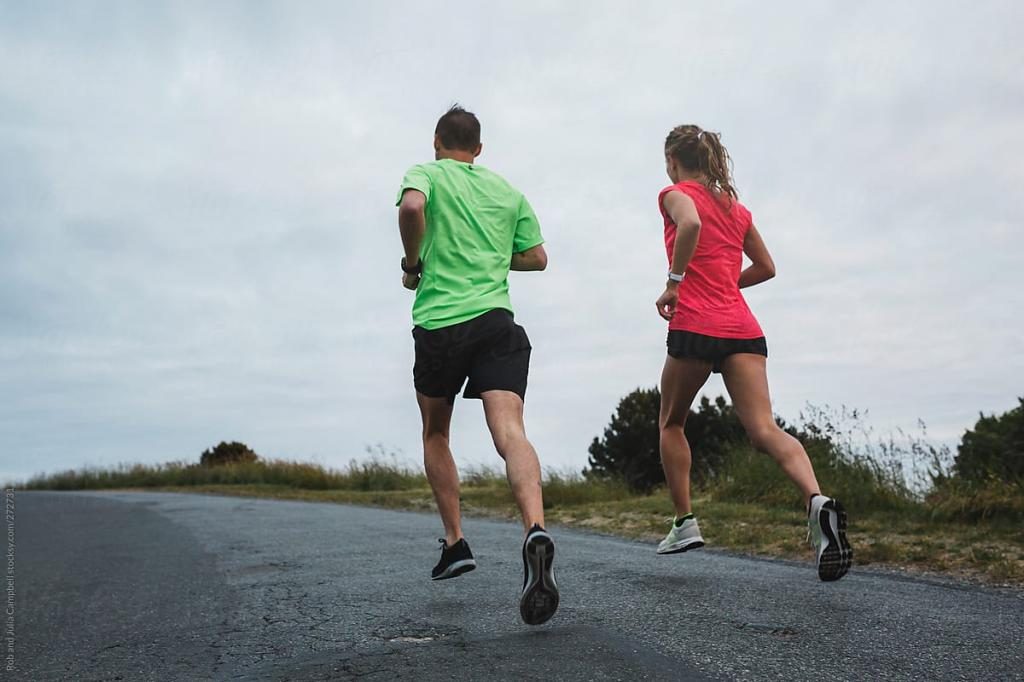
491,350
711,348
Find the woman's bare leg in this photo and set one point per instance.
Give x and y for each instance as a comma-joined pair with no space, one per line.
746,379
681,379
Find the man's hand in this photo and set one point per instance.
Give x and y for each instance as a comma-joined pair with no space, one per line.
410,281
666,303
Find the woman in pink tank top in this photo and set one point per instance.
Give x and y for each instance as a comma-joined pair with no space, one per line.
711,329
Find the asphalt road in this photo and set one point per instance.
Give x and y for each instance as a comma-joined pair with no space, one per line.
151,586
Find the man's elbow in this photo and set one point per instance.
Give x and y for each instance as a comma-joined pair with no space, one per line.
410,211
542,260
412,205
769,270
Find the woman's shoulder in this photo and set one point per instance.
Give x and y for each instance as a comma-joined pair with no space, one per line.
692,189
741,212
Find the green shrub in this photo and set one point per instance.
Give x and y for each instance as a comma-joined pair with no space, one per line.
994,448
379,475
227,453
629,450
963,500
482,476
371,474
860,483
849,465
712,430
567,490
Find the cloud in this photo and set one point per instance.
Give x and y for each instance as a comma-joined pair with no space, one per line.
198,241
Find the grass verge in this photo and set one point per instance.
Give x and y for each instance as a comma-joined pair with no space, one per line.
969,532
989,551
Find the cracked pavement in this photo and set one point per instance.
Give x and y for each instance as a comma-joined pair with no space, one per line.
162,586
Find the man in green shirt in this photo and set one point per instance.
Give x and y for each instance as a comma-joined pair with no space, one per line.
463,228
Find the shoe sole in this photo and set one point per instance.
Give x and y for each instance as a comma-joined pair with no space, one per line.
456,569
539,600
837,557
683,547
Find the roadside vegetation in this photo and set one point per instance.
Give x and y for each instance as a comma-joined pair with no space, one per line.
913,506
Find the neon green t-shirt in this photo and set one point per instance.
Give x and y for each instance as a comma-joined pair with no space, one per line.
476,220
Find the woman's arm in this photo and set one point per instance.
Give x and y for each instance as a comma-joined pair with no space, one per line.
683,212
761,268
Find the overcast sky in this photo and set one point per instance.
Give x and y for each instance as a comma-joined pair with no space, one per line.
198,240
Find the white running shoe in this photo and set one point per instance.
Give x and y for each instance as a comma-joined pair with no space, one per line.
682,538
826,526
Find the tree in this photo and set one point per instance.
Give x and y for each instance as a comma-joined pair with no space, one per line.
993,448
629,449
711,431
227,453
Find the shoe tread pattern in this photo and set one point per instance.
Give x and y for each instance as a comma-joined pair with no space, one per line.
837,556
539,600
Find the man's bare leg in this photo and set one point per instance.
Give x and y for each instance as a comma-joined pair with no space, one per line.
504,412
439,464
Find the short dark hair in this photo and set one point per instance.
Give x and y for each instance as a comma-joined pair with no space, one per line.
459,129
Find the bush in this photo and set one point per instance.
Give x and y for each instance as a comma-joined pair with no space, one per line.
227,453
630,451
961,500
712,431
568,490
372,474
849,463
376,474
864,472
994,449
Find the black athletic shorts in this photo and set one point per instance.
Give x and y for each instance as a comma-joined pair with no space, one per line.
711,348
491,350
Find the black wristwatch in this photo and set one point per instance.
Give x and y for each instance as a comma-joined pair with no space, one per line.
417,270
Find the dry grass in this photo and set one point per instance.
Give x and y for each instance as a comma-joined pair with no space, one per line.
984,551
969,531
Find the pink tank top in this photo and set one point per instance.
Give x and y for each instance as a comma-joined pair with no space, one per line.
710,301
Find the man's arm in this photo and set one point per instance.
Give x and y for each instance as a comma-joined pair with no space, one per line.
762,267
535,258
683,212
527,243
412,223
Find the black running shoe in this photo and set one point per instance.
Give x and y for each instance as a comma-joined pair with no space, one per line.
539,600
455,560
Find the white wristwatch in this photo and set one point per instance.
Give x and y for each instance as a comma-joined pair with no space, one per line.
674,277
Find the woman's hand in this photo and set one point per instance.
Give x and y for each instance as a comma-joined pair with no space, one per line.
666,303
